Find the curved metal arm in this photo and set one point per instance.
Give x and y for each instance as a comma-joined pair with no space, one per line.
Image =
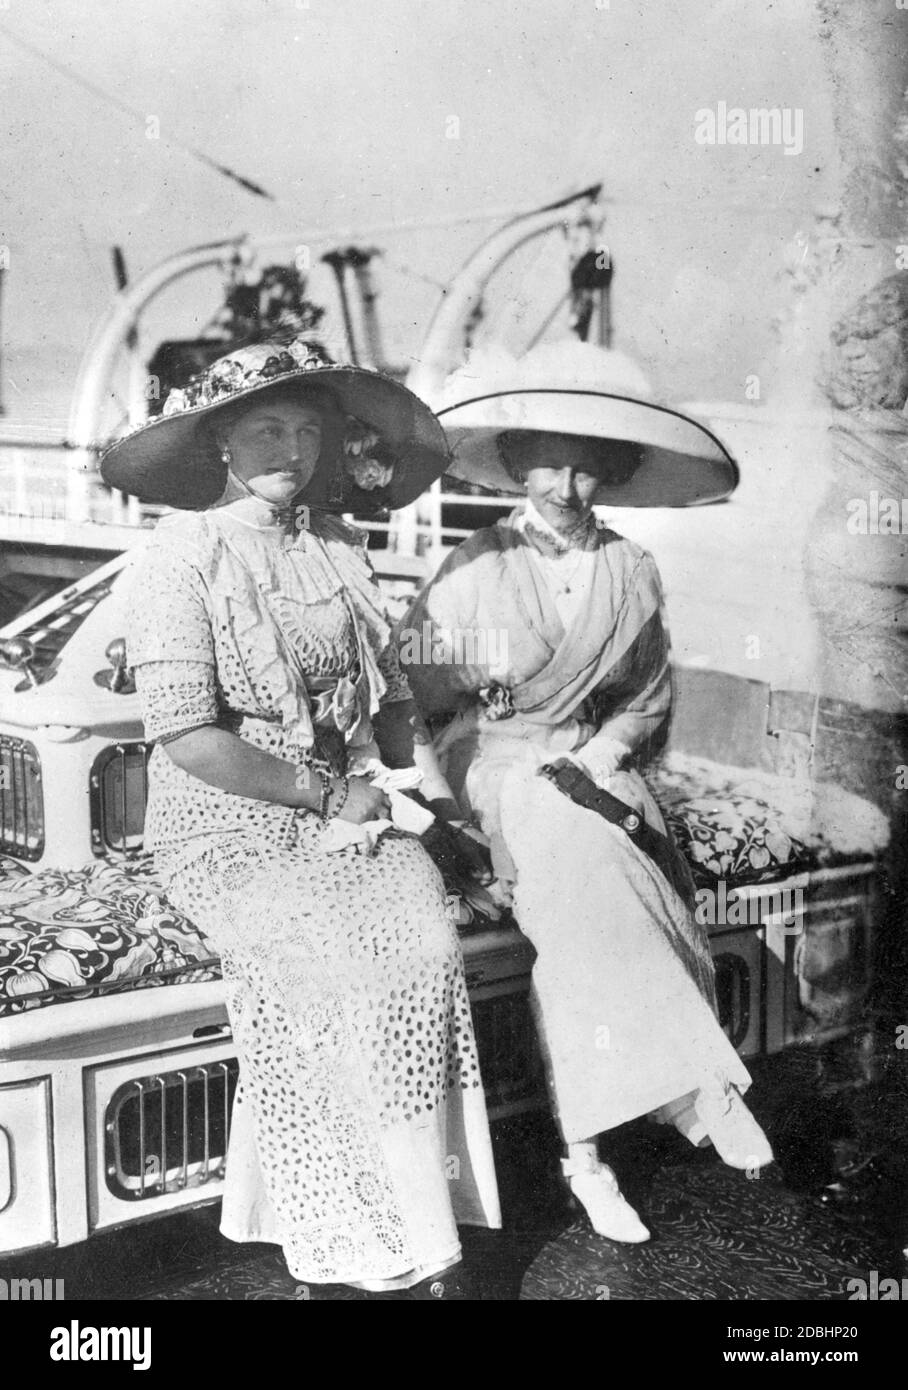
96,368
441,346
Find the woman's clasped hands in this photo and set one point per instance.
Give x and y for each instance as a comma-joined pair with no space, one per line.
364,802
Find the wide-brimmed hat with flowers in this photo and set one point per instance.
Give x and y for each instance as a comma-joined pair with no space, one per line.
382,447
575,388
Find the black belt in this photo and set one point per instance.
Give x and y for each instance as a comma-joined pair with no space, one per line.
583,791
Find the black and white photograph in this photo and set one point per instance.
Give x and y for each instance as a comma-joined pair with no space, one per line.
454,667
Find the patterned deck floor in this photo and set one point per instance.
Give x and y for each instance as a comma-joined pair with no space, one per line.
717,1235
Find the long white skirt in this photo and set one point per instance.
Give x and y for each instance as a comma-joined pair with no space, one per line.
359,1135
623,985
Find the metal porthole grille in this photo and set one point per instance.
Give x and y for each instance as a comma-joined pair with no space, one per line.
21,799
169,1131
118,791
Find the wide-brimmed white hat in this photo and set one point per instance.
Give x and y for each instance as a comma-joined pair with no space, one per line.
575,388
386,446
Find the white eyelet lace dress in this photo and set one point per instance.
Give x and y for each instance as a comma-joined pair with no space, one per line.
359,1135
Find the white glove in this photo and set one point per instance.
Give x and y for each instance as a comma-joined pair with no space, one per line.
601,757
406,814
389,779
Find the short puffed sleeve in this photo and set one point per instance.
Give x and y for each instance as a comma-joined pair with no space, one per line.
170,645
168,616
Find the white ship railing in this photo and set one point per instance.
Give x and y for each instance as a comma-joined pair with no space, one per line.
50,491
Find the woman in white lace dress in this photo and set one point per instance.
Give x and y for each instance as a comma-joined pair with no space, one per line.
268,681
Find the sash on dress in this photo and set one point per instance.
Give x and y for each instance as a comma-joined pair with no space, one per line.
612,617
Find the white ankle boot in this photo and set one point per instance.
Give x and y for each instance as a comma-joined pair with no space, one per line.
596,1188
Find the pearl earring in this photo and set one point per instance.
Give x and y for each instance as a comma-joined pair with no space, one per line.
226,455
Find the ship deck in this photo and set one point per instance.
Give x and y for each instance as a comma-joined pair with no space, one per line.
794,1234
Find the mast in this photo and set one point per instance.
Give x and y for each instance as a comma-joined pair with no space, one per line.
442,348
338,261
360,258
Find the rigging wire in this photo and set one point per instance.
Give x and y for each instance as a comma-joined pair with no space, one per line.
548,321
409,273
460,219
109,99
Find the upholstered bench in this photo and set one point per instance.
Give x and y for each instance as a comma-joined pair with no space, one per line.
117,1105
785,889
787,877
66,935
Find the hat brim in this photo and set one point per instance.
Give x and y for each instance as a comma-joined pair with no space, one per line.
172,462
683,463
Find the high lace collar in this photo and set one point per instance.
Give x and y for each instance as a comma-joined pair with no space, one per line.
552,542
261,515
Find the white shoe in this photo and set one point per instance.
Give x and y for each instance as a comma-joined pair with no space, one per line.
596,1188
735,1134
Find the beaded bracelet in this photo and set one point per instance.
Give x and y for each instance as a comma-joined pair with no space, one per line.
324,796
345,792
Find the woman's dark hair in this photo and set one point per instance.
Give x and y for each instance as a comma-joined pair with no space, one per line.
615,460
316,395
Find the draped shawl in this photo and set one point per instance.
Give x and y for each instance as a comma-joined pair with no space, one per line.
608,670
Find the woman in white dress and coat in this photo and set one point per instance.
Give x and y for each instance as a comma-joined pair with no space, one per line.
563,623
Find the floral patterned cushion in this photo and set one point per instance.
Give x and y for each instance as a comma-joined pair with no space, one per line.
69,934
733,837
12,868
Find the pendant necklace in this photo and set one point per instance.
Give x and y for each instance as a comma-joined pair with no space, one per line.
553,549
564,586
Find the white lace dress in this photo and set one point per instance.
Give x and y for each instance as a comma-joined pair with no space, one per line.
359,1134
